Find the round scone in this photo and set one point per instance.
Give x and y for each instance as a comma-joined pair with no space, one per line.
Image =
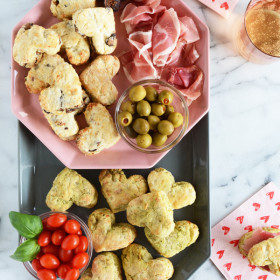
160,179
32,41
138,264
184,234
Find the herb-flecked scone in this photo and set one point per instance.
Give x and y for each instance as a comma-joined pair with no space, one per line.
99,25
106,266
96,79
152,210
74,44
119,190
70,187
64,9
101,132
107,235
184,234
180,194
32,41
138,264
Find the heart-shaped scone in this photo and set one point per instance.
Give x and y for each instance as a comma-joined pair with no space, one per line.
106,266
70,187
138,264
119,190
107,235
152,210
180,194
100,134
184,234
97,79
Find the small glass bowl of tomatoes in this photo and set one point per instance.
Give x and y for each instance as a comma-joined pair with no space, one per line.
66,248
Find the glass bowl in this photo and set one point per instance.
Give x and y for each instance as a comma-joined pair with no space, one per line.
84,229
179,105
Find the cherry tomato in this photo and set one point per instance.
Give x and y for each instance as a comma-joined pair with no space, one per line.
46,226
83,245
70,242
80,260
46,274
79,233
39,255
56,220
62,270
36,265
58,236
72,274
51,249
72,226
65,255
49,261
44,238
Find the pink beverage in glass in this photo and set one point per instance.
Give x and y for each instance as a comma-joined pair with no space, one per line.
258,39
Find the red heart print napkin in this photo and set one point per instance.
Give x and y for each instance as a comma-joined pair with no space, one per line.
261,210
222,7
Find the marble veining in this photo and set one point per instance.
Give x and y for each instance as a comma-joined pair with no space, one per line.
244,128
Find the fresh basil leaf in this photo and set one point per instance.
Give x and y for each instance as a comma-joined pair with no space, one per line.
28,226
27,251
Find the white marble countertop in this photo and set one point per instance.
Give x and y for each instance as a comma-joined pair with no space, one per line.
244,123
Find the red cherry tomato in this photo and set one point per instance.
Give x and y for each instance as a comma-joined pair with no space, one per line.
72,226
46,274
72,274
83,245
56,220
36,265
51,249
70,242
49,261
58,236
80,260
46,226
65,255
39,255
62,270
44,238
79,233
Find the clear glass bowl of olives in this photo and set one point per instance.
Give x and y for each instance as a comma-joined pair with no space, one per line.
152,116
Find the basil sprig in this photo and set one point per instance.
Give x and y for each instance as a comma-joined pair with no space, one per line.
28,226
27,251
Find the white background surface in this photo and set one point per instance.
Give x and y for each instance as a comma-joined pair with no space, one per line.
244,128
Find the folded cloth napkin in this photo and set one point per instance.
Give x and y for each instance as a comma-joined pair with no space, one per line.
261,210
222,7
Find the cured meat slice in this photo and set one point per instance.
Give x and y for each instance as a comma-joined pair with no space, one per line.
141,40
165,36
190,54
189,32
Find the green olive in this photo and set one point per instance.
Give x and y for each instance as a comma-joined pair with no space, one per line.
165,127
124,118
159,139
130,132
144,141
151,94
176,119
169,110
141,126
129,106
137,93
158,109
153,121
143,108
165,97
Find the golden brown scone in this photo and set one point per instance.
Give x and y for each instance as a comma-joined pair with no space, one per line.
70,187
138,264
184,234
118,190
180,194
32,41
96,79
101,133
64,9
76,46
152,210
107,235
86,275
99,25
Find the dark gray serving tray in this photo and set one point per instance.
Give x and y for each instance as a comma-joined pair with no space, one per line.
188,161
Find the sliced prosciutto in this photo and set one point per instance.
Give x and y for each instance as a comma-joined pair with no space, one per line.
141,40
165,36
189,32
190,54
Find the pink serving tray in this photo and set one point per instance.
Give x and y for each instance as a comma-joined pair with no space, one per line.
27,109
